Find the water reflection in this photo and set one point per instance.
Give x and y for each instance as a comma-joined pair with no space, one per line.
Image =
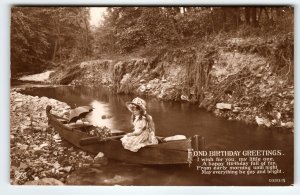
98,117
173,118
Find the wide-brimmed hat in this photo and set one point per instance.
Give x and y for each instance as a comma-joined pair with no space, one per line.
136,102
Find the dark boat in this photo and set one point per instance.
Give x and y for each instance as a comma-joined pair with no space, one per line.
171,152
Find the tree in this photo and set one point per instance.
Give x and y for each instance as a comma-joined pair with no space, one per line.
29,38
40,35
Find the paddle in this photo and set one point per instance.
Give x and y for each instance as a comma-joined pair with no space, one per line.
96,139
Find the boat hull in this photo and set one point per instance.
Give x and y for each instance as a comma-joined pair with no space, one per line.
173,152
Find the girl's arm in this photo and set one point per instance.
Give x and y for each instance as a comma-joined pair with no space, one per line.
139,127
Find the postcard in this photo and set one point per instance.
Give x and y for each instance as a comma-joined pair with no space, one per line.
152,96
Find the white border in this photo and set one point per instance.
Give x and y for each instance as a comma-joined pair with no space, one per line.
6,188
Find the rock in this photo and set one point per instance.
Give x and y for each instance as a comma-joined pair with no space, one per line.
100,155
43,145
66,169
262,121
57,138
22,146
70,149
259,120
184,98
236,109
23,166
88,159
38,151
273,122
45,181
142,81
56,165
142,88
18,100
117,179
224,106
149,86
289,124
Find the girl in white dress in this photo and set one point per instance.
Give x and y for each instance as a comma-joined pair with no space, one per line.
143,125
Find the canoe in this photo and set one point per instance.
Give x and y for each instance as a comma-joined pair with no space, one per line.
171,152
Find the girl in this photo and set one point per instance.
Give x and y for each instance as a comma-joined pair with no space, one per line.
144,130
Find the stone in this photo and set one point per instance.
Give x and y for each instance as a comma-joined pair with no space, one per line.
22,146
149,86
259,120
66,169
88,159
100,159
262,121
224,106
43,145
289,124
117,179
45,181
56,165
142,88
23,166
184,97
236,109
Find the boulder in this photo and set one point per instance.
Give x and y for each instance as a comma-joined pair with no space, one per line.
224,106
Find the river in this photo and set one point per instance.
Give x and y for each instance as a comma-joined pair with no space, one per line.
171,118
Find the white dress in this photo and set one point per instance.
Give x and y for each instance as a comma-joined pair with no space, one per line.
145,136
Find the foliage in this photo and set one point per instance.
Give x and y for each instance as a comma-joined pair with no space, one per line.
40,35
127,29
28,38
62,35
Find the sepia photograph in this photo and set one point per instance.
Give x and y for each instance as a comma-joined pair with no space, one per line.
152,96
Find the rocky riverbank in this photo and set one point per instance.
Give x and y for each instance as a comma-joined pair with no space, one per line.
39,156
239,79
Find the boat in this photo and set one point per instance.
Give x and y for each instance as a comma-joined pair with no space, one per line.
163,153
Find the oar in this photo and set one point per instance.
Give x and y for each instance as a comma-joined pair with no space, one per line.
96,139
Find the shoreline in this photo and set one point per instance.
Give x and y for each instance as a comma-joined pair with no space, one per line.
39,156
227,111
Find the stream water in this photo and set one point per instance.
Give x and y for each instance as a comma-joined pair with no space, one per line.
171,118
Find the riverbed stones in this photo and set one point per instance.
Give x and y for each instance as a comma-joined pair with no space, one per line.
37,150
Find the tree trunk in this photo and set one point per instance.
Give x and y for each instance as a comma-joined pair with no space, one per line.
247,15
212,22
86,37
224,17
55,49
253,17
